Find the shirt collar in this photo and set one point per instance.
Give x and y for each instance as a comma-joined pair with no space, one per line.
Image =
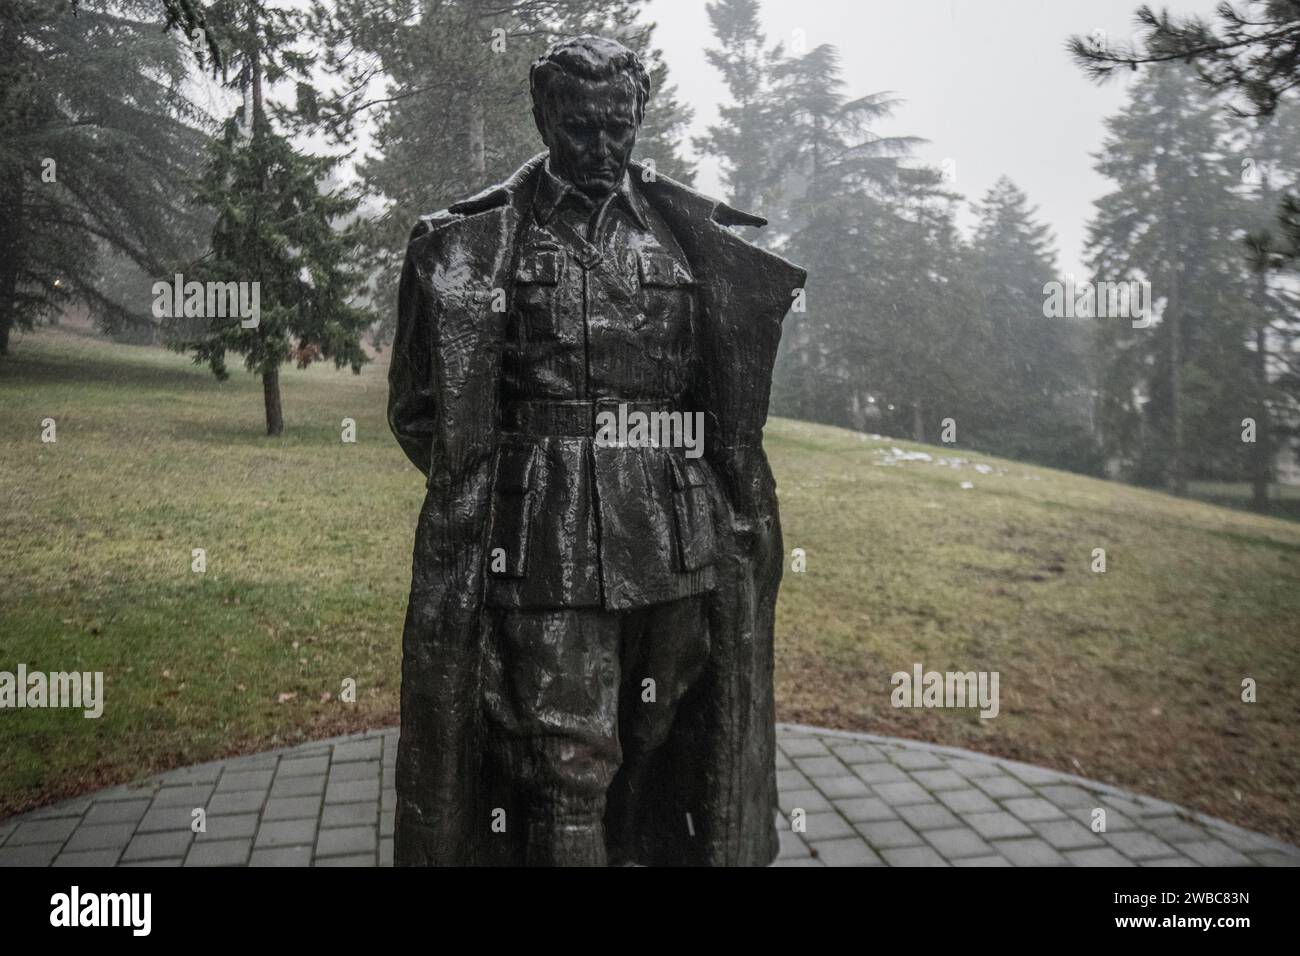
553,192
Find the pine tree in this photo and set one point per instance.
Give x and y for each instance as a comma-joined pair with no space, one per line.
1174,220
277,222
746,134
96,142
1034,390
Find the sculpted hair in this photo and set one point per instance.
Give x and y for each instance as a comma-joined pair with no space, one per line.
587,58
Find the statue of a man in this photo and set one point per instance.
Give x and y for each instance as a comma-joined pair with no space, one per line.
587,657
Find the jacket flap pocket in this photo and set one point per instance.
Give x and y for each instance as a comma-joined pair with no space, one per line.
539,266
661,269
515,469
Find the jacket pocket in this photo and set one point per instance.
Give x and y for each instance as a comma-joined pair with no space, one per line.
693,514
513,497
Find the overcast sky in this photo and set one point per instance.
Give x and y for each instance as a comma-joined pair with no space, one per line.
987,82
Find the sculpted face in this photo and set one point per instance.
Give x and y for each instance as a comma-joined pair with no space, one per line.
590,128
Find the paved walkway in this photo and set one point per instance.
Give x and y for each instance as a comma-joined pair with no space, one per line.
865,801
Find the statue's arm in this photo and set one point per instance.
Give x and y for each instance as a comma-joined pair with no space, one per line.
411,402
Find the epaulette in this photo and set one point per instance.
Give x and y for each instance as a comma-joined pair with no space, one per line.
490,198
726,215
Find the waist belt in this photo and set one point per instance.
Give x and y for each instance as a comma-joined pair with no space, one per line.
573,419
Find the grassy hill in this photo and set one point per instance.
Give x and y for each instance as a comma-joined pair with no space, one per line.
1132,676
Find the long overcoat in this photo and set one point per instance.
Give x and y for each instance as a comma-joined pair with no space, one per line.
712,795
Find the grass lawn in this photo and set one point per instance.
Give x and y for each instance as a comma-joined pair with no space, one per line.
1132,676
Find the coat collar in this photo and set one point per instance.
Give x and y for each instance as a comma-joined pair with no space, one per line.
553,192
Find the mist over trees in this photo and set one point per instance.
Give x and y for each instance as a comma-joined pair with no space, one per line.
344,120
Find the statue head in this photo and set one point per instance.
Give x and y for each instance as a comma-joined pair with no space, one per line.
589,97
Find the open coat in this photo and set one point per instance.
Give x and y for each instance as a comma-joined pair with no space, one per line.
712,800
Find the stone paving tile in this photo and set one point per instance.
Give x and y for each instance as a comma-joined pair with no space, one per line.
864,809
1174,829
292,808
791,844
874,773
116,811
219,853
1214,853
1067,835
360,859
1033,809
866,801
913,856
918,760
1029,852
241,801
857,753
366,748
1067,795
1001,785
1100,856
183,796
810,801
804,747
350,814
820,766
900,794
281,856
993,860
825,826
100,837
846,852
43,831
30,854
889,834
167,818
969,800
159,846
957,842
997,824
346,840
286,833
306,786
92,858
221,829
934,780
842,786
303,767
927,816
1137,845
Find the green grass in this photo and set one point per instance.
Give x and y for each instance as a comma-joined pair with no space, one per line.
1283,500
1132,676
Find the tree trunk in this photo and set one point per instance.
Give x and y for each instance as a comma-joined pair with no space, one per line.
1177,467
918,422
10,251
1261,465
271,398
477,141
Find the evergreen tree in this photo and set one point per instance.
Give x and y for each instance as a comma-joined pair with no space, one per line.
96,142
277,223
1034,393
1174,220
746,134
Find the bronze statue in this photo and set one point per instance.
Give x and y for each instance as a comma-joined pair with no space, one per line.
587,656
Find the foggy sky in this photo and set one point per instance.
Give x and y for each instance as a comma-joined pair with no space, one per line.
987,82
